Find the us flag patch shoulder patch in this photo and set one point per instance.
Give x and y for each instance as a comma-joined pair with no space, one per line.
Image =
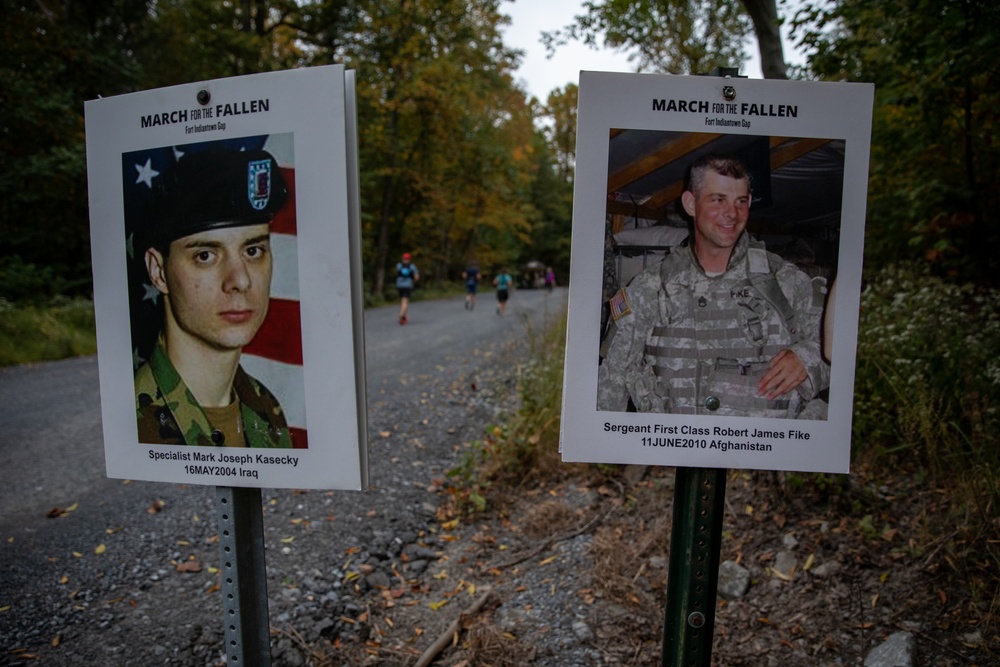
619,305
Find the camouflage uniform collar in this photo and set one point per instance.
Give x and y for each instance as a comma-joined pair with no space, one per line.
743,243
263,419
187,412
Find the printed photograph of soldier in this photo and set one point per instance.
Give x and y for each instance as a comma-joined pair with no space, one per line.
204,240
716,323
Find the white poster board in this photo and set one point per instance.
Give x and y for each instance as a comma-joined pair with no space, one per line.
293,135
672,395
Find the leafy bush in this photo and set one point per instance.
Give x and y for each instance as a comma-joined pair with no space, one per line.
64,328
528,441
928,374
27,283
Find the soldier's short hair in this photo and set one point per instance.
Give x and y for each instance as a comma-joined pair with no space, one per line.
213,190
723,165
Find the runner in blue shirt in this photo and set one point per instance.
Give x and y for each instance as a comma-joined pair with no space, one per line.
406,277
503,282
471,277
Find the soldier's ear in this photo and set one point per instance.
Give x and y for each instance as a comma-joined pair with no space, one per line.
687,201
154,266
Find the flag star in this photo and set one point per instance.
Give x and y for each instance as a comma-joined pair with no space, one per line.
150,293
178,153
146,173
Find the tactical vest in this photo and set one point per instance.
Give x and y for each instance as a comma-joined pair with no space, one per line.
716,338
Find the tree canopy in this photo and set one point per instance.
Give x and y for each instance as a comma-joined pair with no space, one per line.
456,162
450,151
676,36
934,154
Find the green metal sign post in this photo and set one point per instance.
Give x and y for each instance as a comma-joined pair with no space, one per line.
693,577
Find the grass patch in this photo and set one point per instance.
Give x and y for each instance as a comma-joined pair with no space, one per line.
31,333
526,445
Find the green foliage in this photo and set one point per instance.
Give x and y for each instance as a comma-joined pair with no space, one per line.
59,54
27,283
679,36
528,440
934,155
928,377
43,205
450,156
64,328
191,40
554,152
866,526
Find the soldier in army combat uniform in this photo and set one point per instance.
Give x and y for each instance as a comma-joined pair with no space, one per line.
208,252
721,326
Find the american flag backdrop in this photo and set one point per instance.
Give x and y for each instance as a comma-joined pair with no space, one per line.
275,355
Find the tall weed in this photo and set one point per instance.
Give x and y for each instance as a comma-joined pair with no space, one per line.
31,333
527,442
928,373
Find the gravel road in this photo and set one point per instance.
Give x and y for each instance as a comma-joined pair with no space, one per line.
103,571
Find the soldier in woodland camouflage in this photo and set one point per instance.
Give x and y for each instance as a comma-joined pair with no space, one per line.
208,253
722,326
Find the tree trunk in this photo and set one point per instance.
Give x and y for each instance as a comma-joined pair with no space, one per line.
385,210
764,14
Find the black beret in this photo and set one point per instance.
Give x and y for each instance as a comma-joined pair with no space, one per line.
215,190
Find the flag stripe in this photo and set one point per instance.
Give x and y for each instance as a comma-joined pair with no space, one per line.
280,337
283,380
300,439
284,219
285,281
275,355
